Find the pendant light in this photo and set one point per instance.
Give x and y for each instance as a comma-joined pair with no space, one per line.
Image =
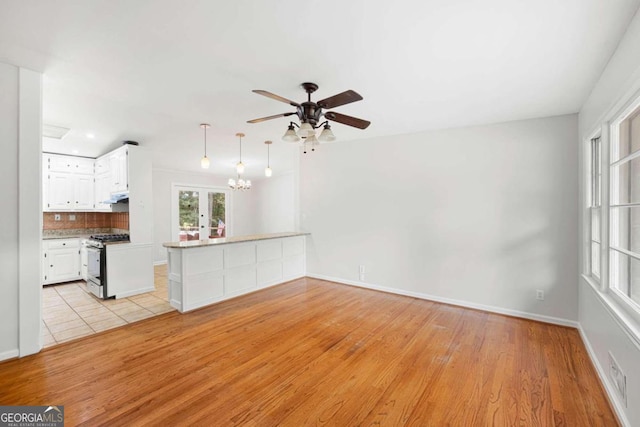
204,162
240,165
268,172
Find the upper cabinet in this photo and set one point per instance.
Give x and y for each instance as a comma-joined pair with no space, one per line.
102,184
68,183
119,165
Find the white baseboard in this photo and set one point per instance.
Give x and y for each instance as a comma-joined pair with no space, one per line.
159,262
604,379
466,304
9,354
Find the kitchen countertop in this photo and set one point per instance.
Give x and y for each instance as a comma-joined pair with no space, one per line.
226,240
78,233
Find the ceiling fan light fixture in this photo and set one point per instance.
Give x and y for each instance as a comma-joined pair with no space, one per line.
327,134
290,135
305,130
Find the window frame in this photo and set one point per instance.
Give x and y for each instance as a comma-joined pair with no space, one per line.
625,302
594,204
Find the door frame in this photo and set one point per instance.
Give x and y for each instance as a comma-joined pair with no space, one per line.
228,208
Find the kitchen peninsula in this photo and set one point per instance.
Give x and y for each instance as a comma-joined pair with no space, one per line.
202,272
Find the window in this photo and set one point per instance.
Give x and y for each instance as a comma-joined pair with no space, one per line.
624,249
595,207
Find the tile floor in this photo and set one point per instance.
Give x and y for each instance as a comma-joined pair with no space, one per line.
70,311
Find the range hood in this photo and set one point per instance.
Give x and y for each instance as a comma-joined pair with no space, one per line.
118,198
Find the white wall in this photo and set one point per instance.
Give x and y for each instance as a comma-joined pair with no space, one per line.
482,216
243,205
275,204
602,330
20,228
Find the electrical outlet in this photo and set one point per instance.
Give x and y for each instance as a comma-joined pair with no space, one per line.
618,378
540,295
72,217
56,217
361,276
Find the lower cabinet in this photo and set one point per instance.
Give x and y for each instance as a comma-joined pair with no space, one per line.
61,260
200,276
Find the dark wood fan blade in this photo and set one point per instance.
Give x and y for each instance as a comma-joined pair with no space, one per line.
346,97
276,97
262,119
347,120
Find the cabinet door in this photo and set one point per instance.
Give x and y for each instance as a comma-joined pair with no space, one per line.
64,264
102,165
83,186
60,191
82,166
102,192
84,262
118,166
59,163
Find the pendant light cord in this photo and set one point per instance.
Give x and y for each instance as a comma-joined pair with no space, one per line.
205,141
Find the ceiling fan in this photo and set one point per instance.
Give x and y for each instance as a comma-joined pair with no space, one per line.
310,114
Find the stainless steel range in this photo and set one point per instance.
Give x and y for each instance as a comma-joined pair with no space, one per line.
97,261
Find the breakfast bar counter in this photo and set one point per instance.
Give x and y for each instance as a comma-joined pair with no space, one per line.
203,272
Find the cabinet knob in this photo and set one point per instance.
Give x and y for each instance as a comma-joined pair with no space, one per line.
64,244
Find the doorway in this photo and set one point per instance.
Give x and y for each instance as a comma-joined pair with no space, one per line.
199,213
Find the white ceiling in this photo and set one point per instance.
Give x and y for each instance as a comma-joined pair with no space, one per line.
152,70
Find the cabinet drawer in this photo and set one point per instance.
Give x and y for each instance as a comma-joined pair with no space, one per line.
63,244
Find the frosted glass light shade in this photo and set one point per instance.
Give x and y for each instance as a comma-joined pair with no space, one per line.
247,184
305,130
240,167
205,163
290,135
327,135
268,172
231,182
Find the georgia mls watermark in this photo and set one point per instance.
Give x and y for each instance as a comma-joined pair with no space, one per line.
31,416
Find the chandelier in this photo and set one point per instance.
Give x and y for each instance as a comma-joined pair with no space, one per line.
239,183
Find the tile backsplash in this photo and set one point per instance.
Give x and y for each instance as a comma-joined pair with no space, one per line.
85,220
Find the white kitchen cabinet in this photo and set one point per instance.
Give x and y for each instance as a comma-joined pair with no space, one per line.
69,164
119,168
68,183
68,192
84,260
204,273
102,184
61,260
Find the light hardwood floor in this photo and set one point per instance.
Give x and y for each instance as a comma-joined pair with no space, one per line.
311,352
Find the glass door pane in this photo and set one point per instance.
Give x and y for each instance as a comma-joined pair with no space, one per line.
189,215
216,213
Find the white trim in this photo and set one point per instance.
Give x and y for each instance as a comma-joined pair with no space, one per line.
604,380
466,304
161,262
10,354
617,313
30,212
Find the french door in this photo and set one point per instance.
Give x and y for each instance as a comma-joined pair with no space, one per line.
199,213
